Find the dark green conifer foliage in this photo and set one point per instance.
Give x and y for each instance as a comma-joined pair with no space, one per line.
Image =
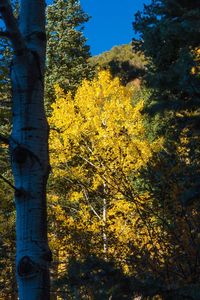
169,34
8,287
169,37
67,52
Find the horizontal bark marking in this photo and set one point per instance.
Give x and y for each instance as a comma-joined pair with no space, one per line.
28,128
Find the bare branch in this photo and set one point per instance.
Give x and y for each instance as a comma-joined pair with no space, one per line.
15,36
8,182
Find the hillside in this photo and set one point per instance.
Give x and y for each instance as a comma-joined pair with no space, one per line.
122,62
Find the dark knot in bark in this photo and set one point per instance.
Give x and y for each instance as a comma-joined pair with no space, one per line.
19,192
20,155
2,9
26,267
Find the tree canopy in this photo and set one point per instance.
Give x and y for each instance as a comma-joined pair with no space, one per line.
123,193
67,51
169,33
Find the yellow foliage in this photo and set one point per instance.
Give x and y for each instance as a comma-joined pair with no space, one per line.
97,143
99,127
196,69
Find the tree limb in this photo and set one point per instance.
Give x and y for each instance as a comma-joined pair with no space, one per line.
12,29
92,208
8,182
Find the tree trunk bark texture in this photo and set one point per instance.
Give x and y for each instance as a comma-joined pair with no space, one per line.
105,240
29,147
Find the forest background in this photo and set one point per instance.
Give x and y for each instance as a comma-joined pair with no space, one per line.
123,195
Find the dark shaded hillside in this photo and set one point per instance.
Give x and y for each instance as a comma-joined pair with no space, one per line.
123,62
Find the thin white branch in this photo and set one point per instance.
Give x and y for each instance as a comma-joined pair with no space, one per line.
92,208
87,161
12,29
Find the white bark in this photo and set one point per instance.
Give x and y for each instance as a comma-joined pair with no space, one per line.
105,241
29,147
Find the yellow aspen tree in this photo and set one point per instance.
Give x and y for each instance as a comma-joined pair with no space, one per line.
98,145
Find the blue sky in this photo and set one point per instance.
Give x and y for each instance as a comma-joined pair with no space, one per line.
110,23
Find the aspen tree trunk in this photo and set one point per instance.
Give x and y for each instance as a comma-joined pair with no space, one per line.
105,242
104,227
29,146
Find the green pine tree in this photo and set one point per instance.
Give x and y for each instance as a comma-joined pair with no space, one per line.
169,37
67,52
169,34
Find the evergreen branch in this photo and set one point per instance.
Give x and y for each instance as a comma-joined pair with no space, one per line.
5,103
4,139
12,29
